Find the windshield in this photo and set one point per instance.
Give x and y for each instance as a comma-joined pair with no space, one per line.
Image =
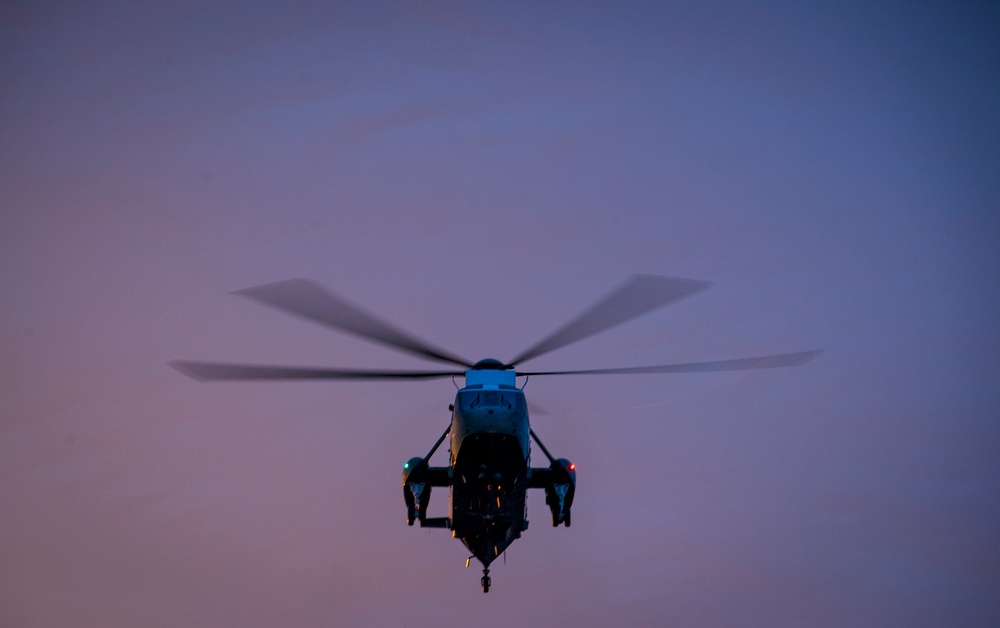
505,399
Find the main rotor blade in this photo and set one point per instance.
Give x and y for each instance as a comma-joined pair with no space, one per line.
641,294
215,371
310,301
740,364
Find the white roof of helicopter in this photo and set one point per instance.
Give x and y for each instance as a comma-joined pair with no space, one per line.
490,378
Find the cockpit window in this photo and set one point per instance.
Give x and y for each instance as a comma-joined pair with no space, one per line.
474,399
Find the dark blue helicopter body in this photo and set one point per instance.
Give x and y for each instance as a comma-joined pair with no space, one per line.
489,469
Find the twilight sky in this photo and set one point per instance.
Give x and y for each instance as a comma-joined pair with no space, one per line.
478,174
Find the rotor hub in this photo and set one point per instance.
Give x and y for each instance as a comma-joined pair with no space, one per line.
490,364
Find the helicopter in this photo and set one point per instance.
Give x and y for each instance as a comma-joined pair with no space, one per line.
489,471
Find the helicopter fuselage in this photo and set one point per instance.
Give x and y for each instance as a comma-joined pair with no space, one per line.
489,463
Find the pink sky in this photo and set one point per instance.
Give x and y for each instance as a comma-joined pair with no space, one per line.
478,176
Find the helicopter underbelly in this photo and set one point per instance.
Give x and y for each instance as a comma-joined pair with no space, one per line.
488,493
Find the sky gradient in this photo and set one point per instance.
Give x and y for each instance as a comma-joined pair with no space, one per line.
478,175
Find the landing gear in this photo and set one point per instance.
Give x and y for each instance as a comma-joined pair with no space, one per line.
486,580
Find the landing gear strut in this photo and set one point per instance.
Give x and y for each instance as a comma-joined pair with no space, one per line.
486,580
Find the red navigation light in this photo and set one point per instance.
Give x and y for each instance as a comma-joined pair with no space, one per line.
572,466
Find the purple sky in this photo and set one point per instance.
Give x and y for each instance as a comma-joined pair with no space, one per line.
478,176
